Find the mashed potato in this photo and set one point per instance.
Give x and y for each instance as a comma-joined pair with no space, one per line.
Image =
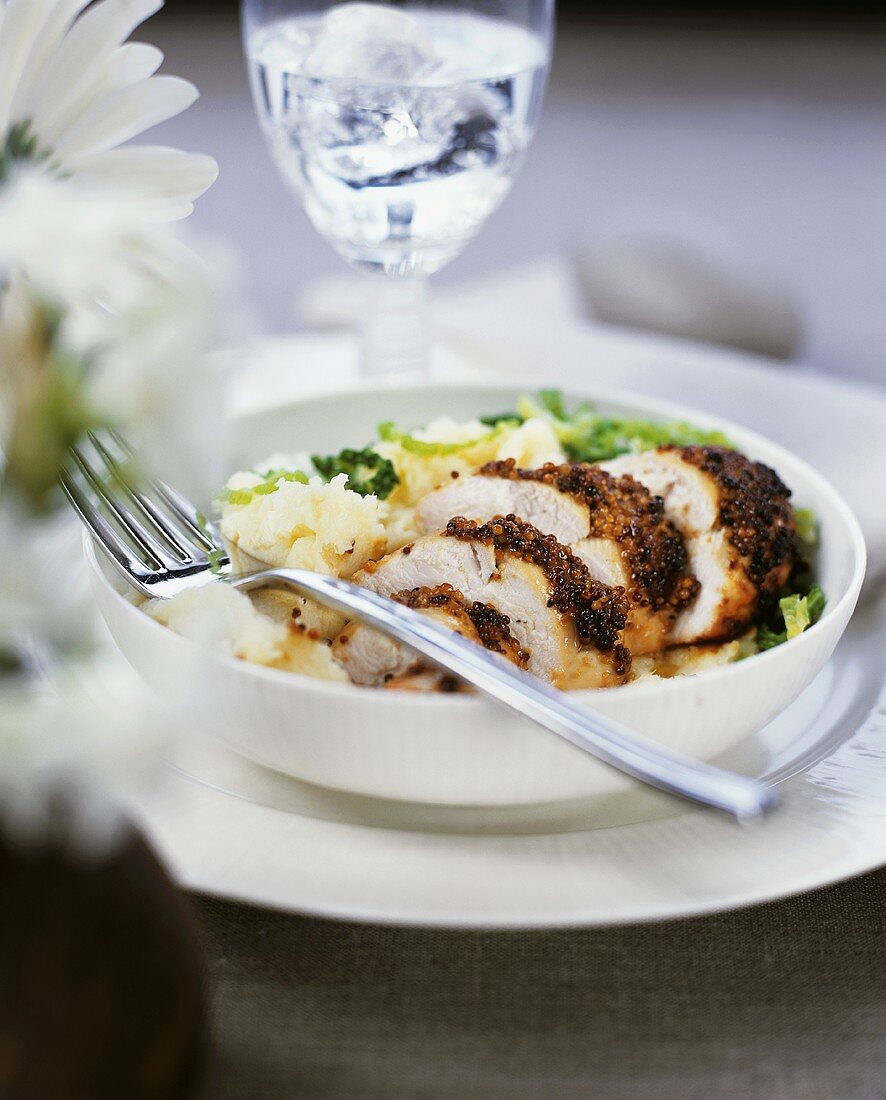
223,619
325,528
532,445
690,660
227,621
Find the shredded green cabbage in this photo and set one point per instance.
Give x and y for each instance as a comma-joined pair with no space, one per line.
588,437
807,526
388,432
798,612
270,484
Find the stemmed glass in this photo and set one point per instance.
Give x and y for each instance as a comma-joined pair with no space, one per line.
400,126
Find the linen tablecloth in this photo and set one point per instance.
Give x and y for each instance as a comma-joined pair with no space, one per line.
782,1001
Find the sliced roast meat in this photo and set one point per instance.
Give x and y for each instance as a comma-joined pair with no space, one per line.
739,527
570,625
613,524
372,658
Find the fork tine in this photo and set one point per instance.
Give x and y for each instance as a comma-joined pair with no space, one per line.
196,523
108,539
138,534
182,546
205,533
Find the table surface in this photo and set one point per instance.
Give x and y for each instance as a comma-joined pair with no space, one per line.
782,1001
777,140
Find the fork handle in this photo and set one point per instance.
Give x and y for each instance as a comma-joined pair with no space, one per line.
527,695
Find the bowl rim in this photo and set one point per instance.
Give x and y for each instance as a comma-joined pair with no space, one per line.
664,410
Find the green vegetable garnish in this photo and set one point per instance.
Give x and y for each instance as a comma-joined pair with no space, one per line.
511,419
215,556
368,473
273,477
588,437
388,432
270,484
552,402
807,526
798,612
235,496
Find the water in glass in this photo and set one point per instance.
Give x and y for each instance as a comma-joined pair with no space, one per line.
401,130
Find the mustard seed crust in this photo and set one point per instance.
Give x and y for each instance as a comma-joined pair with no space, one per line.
492,627
599,612
625,512
755,509
495,632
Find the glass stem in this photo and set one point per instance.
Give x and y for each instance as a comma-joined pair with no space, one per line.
397,331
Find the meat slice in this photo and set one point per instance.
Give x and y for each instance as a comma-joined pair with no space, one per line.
613,524
739,527
569,624
372,658
500,490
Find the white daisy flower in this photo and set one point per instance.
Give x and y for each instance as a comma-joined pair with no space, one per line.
88,283
72,90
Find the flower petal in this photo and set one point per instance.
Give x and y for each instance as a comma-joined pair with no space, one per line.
55,26
127,65
123,114
54,29
97,32
163,182
22,22
132,63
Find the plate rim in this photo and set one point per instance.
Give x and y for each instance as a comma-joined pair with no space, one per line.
654,912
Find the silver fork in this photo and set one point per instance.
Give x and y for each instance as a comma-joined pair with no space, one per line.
161,545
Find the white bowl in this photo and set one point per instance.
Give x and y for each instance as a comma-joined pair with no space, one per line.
463,750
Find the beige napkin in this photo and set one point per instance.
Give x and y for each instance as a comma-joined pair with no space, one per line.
671,282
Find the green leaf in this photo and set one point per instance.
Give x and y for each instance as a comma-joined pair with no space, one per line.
817,602
216,556
552,402
807,526
369,474
273,477
588,437
795,612
235,496
509,419
388,432
769,639
271,484
798,612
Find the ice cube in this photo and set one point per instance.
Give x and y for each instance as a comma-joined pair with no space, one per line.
284,47
370,43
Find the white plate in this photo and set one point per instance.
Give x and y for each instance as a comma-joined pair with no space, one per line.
232,829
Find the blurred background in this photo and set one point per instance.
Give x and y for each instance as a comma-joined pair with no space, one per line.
752,135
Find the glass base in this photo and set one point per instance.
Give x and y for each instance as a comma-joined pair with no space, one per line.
397,332
395,261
